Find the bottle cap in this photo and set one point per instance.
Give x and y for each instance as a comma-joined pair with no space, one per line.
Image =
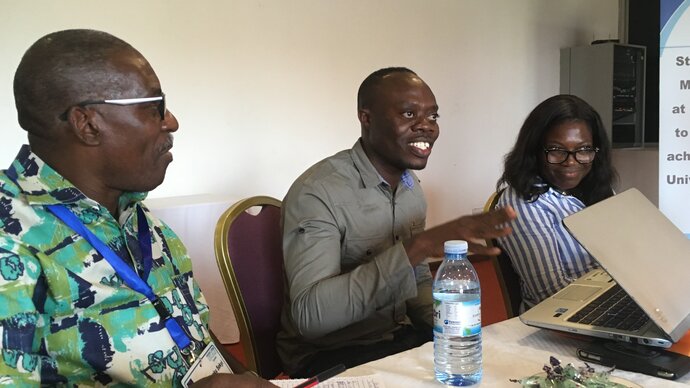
455,246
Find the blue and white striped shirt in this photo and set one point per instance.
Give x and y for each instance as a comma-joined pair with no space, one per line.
544,254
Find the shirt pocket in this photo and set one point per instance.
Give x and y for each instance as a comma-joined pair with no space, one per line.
358,250
417,227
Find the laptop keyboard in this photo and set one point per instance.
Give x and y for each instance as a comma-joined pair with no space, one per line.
612,309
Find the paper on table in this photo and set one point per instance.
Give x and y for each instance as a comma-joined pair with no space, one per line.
338,382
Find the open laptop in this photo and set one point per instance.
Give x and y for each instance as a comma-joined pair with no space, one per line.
638,249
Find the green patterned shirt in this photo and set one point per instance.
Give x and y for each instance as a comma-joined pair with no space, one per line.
66,317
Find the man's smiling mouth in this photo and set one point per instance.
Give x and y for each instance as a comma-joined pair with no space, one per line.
422,145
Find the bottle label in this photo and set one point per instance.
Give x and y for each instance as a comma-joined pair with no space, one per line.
457,318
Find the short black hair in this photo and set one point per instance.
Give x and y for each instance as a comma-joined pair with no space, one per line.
366,89
521,164
61,69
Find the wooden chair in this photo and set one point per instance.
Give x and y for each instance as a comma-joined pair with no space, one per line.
249,254
508,279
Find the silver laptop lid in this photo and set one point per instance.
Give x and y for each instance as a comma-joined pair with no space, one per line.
644,252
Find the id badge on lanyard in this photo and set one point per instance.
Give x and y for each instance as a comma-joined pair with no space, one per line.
209,362
128,275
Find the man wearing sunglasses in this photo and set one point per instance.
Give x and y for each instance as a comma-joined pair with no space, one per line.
95,290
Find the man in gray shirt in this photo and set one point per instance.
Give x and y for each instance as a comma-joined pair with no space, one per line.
354,243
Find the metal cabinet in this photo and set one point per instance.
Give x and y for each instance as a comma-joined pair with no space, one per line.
611,77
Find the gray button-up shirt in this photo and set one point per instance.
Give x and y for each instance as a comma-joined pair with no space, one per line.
349,278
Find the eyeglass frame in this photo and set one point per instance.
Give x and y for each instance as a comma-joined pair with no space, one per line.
568,153
162,109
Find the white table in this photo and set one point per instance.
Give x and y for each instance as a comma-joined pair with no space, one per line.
510,350
193,218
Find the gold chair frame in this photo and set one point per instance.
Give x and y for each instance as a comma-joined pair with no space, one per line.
227,272
504,268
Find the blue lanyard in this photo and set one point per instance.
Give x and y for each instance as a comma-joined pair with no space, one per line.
124,271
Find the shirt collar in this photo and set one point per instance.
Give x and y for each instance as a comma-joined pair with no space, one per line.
558,193
407,179
41,185
370,177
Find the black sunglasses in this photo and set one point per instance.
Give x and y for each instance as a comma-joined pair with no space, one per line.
122,102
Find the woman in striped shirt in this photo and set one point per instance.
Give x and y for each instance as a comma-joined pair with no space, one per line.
561,162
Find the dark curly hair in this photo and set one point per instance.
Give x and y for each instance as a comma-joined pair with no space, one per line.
521,169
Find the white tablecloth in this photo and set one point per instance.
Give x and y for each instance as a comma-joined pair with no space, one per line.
194,219
510,350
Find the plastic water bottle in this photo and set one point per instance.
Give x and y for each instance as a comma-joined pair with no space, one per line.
457,319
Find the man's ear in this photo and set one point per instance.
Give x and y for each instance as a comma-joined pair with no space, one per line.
81,122
364,117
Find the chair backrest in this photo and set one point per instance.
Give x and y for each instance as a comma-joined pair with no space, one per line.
507,277
249,254
493,300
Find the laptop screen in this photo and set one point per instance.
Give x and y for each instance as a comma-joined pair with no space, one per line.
644,252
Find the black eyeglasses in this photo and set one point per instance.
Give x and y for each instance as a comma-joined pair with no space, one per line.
122,102
558,155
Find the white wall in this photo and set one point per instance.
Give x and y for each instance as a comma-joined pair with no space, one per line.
639,167
263,89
